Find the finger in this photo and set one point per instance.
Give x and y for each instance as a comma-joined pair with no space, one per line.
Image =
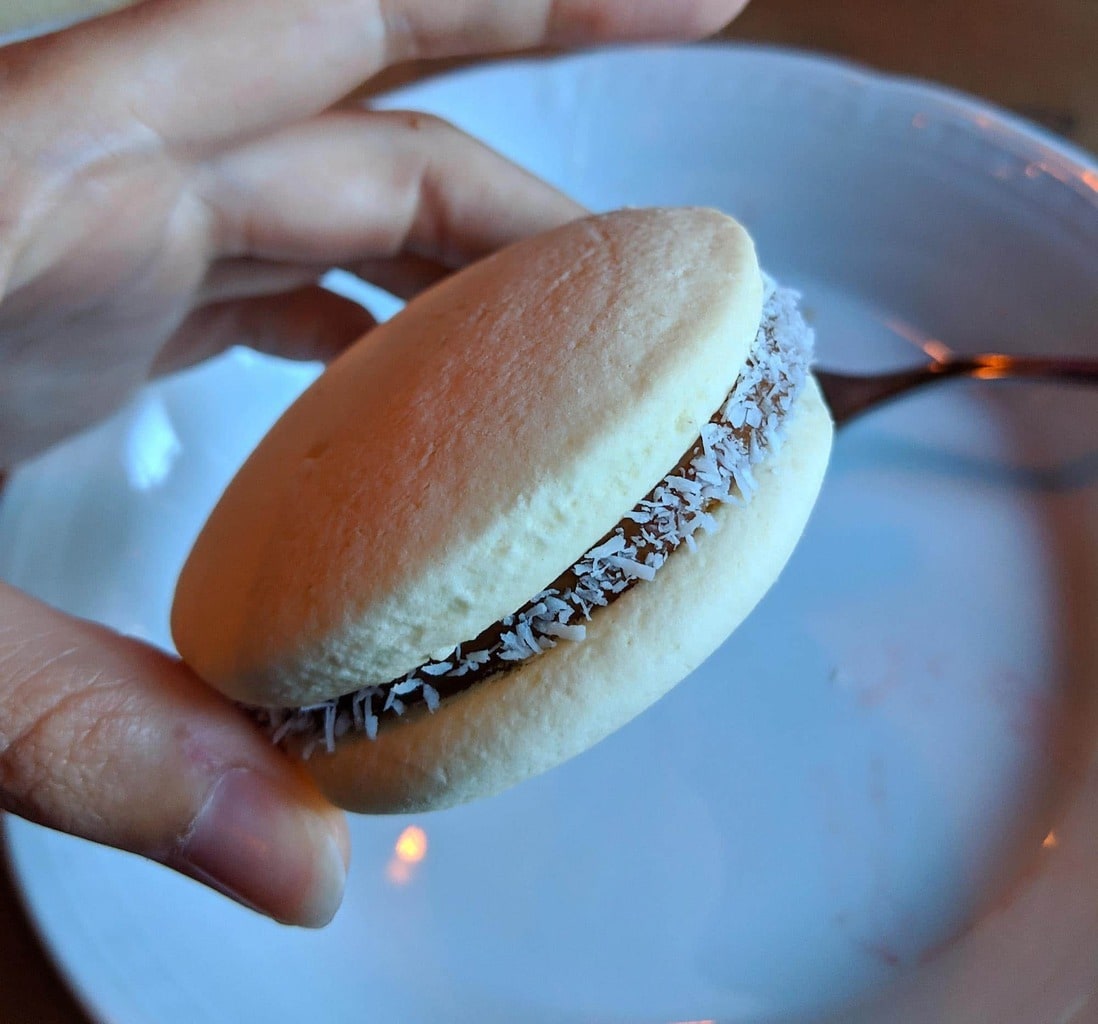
210,71
309,323
246,278
106,738
357,184
404,276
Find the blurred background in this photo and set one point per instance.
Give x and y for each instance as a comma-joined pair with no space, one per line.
1039,60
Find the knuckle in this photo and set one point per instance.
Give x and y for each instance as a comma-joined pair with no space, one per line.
428,124
60,727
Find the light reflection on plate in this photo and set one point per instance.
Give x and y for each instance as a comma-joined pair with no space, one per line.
878,790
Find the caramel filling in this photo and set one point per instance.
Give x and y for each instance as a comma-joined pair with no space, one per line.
716,470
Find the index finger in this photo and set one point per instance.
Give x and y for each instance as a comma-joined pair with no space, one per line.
202,72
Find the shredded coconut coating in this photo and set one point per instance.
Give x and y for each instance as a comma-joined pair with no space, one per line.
717,470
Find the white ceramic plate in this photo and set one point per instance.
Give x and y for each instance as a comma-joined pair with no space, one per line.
877,801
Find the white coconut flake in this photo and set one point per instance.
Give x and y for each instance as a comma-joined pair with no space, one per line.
632,568
526,635
511,649
748,428
611,547
329,728
704,521
282,730
557,609
436,668
406,686
683,485
393,703
566,632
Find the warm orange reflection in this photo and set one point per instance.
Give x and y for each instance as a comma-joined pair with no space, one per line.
408,851
931,346
398,872
1051,842
1053,169
936,350
994,367
411,845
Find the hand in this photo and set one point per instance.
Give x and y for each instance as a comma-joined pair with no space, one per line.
172,181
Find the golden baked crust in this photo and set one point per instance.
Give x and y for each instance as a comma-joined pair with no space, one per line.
463,455
555,706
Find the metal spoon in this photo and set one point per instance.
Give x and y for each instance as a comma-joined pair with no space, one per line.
850,395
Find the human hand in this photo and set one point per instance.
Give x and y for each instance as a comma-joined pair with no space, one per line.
172,182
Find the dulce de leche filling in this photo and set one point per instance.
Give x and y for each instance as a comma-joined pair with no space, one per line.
716,470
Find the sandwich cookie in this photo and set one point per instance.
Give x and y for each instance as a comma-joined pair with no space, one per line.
514,516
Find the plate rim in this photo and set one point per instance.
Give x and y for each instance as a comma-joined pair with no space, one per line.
1002,124
996,124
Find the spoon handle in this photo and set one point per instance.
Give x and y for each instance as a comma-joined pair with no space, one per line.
849,395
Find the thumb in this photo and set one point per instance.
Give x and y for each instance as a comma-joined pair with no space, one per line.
109,739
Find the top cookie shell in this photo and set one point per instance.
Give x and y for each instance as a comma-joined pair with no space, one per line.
455,461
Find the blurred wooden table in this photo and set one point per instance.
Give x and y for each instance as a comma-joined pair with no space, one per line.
1037,59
